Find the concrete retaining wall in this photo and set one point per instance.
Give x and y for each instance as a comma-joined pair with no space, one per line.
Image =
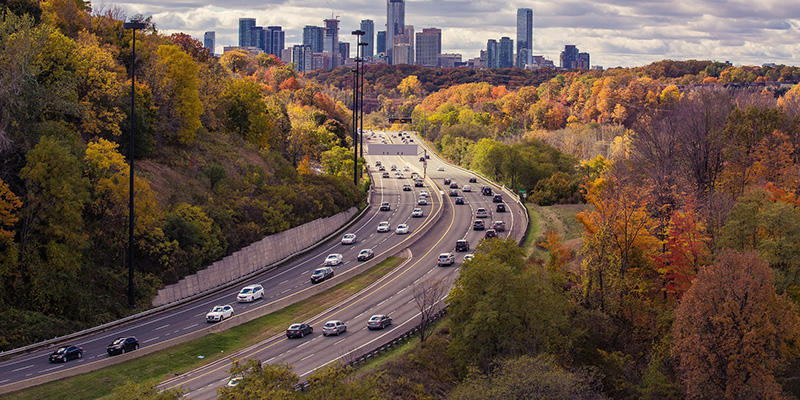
254,257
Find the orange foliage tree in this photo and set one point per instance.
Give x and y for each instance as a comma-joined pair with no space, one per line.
686,251
733,332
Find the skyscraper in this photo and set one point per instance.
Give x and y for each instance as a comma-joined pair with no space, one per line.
429,47
524,36
257,38
314,36
380,42
369,37
276,38
492,57
344,50
209,40
245,26
395,22
506,53
302,57
331,36
569,57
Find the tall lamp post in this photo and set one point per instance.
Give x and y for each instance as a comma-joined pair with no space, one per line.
358,33
131,295
361,102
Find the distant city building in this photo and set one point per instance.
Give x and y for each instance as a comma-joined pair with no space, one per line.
274,40
541,62
245,26
302,57
331,36
324,60
380,42
402,54
506,53
597,68
250,49
344,50
448,60
406,41
429,47
571,58
492,56
257,38
314,36
286,56
210,41
395,22
583,61
524,36
368,26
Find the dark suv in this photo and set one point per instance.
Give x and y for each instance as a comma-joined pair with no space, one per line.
486,191
321,274
498,198
462,245
478,225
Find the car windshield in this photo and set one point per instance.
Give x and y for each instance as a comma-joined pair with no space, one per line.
118,341
319,272
375,318
330,325
295,326
217,309
61,350
246,291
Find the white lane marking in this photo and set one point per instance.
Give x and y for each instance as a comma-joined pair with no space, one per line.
161,327
190,326
150,340
307,357
5,380
267,361
287,290
303,344
283,282
339,341
47,370
20,369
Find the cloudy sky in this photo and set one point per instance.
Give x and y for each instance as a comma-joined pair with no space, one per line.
615,32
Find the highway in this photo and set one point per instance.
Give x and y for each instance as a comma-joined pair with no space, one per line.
391,295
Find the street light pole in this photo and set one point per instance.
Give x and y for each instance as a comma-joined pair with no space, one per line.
361,103
358,34
131,294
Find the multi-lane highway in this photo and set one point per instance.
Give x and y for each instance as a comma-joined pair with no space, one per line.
445,223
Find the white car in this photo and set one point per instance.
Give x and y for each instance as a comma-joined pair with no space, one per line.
218,313
234,381
417,213
423,192
481,213
441,168
402,229
250,293
422,201
446,259
466,188
468,257
333,259
334,328
406,168
349,238
384,227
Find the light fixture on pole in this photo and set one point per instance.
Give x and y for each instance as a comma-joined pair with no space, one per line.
134,25
362,45
358,34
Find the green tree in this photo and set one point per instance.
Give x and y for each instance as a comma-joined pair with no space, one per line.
197,234
260,382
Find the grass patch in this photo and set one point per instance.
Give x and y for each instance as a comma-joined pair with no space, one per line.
534,230
182,358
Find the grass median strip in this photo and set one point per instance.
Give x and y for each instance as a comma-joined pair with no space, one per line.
185,357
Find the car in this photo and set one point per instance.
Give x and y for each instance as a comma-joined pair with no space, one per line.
428,156
441,168
446,181
383,169
333,259
499,226
453,193
384,226
498,198
468,257
411,140
467,188
478,225
417,213
385,175
490,233
422,159
460,200
122,345
422,200
415,175
321,274
250,293
349,238
406,188
406,168
418,183
473,180
402,229
453,185
365,255
462,245
335,327
299,330
481,213
219,313
378,163
486,191
394,167
234,381
385,206
379,321
423,192
401,176
66,353
445,259
501,208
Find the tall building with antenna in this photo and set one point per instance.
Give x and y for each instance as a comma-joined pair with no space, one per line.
395,22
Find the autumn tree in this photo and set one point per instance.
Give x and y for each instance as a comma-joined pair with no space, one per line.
173,81
100,87
410,86
732,332
686,250
9,251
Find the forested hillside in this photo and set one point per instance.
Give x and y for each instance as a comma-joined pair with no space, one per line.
227,151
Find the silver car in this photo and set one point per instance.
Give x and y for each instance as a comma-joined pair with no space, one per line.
379,321
334,328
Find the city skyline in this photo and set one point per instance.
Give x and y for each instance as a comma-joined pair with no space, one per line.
614,32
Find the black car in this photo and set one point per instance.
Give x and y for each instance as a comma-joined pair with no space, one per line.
498,198
462,245
478,225
421,159
406,188
321,274
365,255
418,183
491,233
446,181
473,180
501,207
453,185
486,191
459,200
453,193
299,330
385,206
122,345
66,353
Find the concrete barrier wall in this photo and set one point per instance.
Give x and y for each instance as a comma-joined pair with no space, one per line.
254,257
